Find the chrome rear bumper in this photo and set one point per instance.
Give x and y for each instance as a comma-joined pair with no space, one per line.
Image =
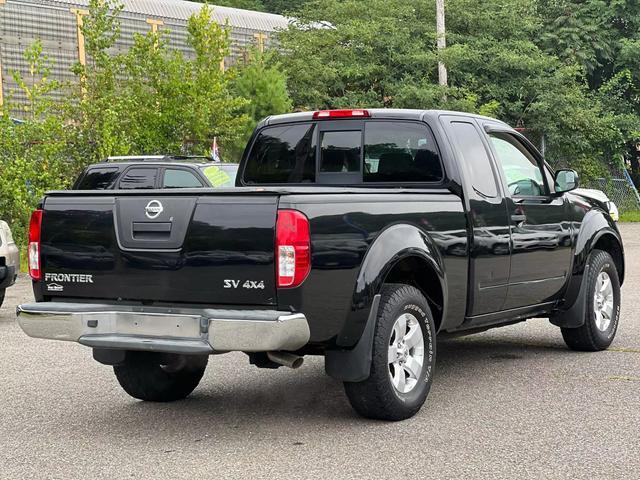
171,330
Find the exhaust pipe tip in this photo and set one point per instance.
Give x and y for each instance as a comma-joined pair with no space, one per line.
286,359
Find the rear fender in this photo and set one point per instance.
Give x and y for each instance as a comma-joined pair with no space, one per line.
392,245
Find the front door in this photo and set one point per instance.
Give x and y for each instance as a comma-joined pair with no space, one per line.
540,230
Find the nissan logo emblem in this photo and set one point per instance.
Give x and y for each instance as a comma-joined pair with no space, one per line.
153,209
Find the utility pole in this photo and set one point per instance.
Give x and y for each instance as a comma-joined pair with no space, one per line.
441,41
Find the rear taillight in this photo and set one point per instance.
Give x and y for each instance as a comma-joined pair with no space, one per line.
35,227
358,113
293,248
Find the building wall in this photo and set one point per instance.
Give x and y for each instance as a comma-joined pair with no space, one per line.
54,22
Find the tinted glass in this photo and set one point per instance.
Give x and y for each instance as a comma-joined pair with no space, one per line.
178,178
340,151
400,152
521,169
97,179
475,157
285,154
221,176
139,178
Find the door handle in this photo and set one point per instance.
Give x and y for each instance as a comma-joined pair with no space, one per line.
518,217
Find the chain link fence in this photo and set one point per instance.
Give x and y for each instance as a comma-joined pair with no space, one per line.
618,185
619,188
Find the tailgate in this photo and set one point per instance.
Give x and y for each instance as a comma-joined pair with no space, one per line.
210,249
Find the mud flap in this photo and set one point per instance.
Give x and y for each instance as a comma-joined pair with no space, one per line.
574,316
354,365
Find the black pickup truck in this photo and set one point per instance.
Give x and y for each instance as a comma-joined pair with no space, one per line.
355,234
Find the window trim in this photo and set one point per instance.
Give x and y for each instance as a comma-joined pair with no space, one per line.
318,126
528,146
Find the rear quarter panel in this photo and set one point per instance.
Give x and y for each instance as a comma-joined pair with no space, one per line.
343,229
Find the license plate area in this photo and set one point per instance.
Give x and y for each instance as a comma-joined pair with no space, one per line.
141,324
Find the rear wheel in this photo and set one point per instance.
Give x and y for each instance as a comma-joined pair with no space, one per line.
158,377
403,357
603,306
2,292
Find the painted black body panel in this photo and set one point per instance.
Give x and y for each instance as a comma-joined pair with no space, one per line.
356,240
223,238
488,270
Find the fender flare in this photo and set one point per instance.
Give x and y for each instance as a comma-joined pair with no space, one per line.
394,244
595,225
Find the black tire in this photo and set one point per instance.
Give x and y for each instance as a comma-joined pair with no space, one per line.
377,397
588,337
2,292
159,377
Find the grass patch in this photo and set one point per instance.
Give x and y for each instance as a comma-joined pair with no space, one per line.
630,216
24,260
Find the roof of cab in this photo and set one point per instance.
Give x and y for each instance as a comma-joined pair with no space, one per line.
390,113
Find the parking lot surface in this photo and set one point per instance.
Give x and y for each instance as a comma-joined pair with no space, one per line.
512,402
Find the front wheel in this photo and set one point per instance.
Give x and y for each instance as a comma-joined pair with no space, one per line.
603,306
158,377
2,292
403,357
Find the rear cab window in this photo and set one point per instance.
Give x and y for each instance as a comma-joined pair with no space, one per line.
283,154
348,152
139,178
101,178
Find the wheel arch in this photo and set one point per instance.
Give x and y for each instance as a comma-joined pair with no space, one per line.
597,231
393,257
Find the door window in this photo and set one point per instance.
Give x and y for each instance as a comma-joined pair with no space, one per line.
475,156
178,178
400,152
139,178
521,169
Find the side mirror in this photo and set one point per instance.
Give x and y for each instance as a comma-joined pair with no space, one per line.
565,181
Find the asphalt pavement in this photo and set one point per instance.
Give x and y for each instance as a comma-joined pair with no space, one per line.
512,402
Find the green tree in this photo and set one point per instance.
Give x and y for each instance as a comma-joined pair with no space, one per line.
382,54
261,82
603,39
257,5
37,154
272,6
152,99
284,6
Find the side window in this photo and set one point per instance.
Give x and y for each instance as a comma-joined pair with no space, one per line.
178,178
521,169
476,157
221,176
400,152
139,178
97,179
340,151
283,154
